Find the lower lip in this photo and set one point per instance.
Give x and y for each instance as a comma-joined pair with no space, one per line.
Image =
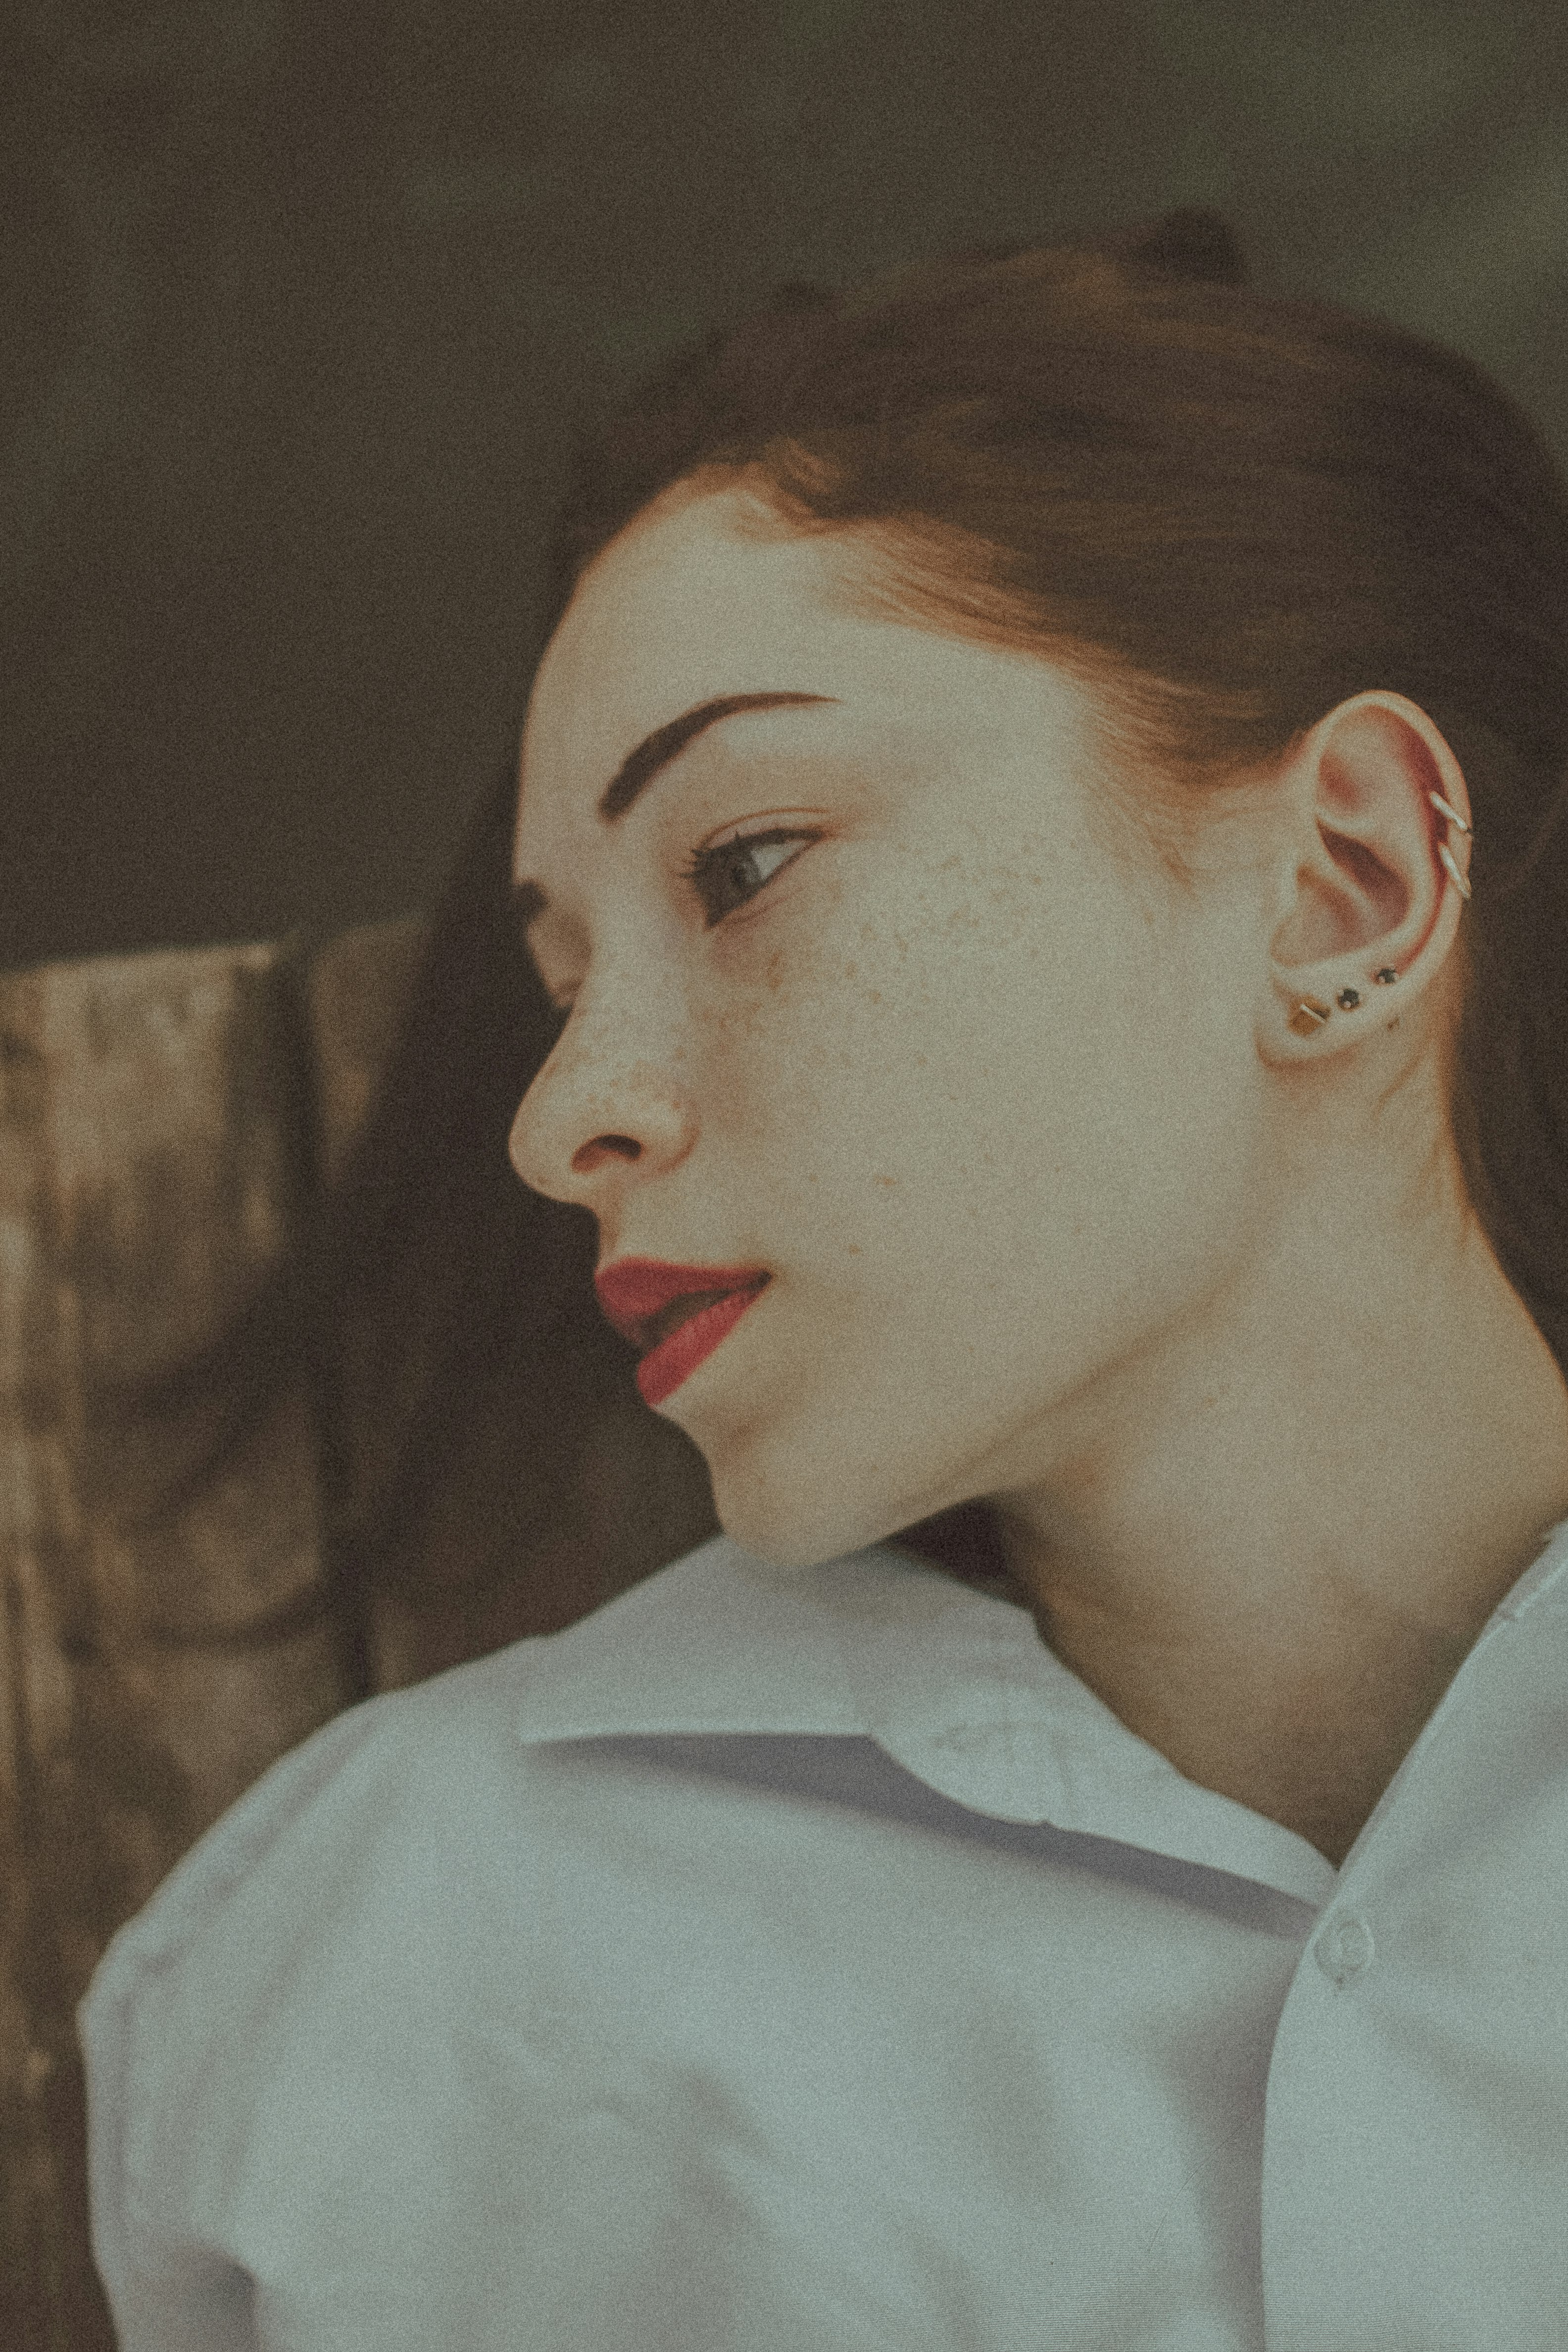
664,1368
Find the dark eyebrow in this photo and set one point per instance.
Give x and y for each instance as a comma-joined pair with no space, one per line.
639,768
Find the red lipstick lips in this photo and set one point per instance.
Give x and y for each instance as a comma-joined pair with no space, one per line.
677,1314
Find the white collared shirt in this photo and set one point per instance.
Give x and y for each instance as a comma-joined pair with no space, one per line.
805,1960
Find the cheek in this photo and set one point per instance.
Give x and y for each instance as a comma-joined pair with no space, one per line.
1009,1114
988,1190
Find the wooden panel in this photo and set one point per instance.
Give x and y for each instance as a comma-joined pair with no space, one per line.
356,988
151,1123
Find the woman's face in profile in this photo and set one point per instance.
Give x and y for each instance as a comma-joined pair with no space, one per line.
986,1108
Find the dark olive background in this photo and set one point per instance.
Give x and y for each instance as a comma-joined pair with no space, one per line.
299,299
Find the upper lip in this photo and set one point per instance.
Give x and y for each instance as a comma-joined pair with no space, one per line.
635,1291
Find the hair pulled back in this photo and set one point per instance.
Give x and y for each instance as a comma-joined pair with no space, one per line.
1226,510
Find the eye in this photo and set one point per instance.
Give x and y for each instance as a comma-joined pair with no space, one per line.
725,874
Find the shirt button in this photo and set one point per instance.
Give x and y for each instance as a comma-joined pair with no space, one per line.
1343,1948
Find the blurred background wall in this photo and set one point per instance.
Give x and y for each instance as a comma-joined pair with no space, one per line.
299,299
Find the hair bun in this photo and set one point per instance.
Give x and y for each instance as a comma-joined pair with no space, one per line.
1191,244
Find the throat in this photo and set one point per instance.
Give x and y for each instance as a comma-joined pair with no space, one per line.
1316,1758
1308,1732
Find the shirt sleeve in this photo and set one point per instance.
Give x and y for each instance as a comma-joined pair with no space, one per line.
186,2297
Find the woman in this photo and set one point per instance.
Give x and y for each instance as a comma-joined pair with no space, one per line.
996,820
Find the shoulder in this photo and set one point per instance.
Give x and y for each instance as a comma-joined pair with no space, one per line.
402,1846
371,1936
314,1915
344,1827
380,1777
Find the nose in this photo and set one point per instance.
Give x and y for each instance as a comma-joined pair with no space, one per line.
591,1121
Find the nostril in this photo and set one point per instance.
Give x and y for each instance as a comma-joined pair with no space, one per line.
590,1156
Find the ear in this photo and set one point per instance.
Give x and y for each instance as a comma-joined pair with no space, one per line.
1363,887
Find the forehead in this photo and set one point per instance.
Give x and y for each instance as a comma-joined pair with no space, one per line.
704,596
679,607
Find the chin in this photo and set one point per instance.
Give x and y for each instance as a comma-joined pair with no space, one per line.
787,1543
794,1517
787,1530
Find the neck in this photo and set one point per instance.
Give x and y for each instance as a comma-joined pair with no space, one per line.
1271,1563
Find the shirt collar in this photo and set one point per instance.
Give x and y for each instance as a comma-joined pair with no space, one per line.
954,1684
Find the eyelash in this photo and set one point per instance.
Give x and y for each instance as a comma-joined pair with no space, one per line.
705,865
